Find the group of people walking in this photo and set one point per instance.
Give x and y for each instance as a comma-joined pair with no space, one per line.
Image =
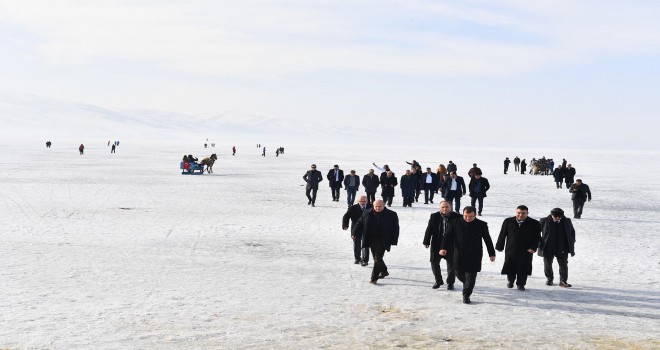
444,181
459,239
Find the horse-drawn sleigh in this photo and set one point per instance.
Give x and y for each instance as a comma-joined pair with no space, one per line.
189,165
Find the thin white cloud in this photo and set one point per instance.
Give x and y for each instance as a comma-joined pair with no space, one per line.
263,38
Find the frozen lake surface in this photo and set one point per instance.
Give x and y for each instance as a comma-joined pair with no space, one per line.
122,251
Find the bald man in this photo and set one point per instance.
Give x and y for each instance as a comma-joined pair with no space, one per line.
379,231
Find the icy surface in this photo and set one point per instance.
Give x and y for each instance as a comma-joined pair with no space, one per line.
122,251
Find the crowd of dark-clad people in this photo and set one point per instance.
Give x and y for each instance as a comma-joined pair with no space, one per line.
455,235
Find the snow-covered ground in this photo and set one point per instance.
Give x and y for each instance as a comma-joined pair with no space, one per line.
121,251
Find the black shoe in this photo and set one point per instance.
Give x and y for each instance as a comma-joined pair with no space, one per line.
450,286
548,282
521,288
364,263
479,213
431,201
466,300
357,261
313,205
426,202
509,285
310,202
384,274
438,284
373,281
565,285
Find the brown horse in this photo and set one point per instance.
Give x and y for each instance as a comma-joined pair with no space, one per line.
208,161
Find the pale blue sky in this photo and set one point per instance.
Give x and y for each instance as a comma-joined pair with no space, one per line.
485,66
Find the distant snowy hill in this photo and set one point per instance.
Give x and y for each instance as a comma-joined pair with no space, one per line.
28,116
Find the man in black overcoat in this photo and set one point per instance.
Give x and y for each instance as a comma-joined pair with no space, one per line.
370,183
379,229
408,186
353,214
436,229
335,179
557,241
387,185
312,177
465,235
521,235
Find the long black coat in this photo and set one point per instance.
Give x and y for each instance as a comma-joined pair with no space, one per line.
408,185
370,183
387,185
388,230
353,214
558,174
569,174
485,186
466,239
517,260
312,177
546,230
433,235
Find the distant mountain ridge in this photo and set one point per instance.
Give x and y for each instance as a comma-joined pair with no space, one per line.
35,116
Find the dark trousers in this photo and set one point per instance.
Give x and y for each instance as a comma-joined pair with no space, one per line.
377,251
468,279
360,253
451,273
520,279
454,196
428,194
506,168
371,197
311,198
388,200
407,201
516,166
350,195
568,183
481,203
335,187
578,205
558,184
417,192
562,260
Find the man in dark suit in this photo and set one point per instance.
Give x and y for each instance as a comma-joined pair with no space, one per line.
335,178
465,235
455,190
353,214
436,229
379,229
521,235
312,177
430,181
